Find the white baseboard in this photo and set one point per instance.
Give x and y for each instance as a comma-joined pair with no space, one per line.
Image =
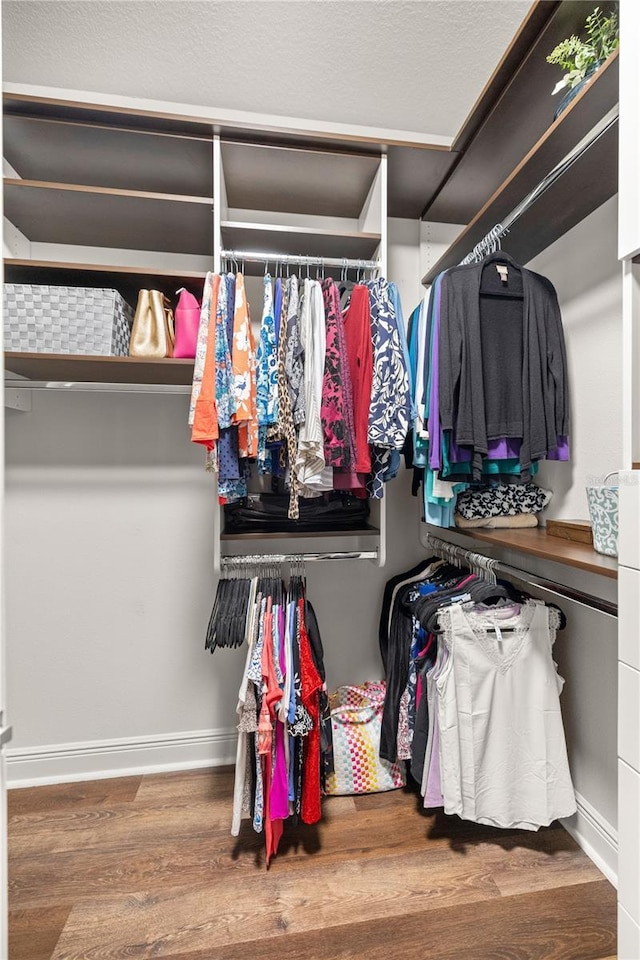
127,756
596,837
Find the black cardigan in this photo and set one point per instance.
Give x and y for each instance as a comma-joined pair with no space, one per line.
545,398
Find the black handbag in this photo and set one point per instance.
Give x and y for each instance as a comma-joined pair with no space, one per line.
267,513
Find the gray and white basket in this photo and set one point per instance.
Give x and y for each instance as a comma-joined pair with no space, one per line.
603,511
83,320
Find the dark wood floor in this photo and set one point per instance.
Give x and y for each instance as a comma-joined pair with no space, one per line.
144,867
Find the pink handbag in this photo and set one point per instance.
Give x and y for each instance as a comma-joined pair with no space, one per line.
187,320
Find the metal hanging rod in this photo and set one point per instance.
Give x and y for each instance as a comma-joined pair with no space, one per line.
82,386
487,567
491,241
293,557
252,256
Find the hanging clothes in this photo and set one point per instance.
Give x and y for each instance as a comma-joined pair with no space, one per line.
520,387
205,418
313,474
357,328
490,382
338,445
267,376
470,673
503,758
323,405
284,749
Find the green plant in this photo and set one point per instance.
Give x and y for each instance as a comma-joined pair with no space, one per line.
578,56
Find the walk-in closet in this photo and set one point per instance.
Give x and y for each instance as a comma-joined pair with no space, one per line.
320,511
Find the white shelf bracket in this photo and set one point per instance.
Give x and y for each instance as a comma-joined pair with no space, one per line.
17,398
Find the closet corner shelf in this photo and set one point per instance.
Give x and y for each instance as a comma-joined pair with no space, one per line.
74,368
591,181
537,543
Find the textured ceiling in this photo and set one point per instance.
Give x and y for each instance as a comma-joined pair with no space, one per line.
413,65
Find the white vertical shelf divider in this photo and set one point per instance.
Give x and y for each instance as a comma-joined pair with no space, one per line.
381,179
219,193
219,199
630,363
628,637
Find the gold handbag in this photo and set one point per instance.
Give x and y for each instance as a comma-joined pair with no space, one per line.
152,334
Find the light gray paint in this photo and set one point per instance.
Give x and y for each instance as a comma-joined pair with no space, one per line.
587,276
415,65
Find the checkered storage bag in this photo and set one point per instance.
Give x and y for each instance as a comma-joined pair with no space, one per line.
83,320
356,720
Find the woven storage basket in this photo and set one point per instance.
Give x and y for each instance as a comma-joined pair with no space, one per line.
603,510
83,320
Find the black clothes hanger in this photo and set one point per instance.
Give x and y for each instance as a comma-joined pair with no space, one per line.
390,586
227,623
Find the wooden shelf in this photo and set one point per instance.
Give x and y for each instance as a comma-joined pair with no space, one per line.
417,166
303,535
127,280
72,368
591,181
101,156
537,543
127,219
267,177
512,113
306,241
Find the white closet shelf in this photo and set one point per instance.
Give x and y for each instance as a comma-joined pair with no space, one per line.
280,239
75,368
132,219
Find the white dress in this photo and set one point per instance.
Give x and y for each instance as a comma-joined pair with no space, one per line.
314,475
503,757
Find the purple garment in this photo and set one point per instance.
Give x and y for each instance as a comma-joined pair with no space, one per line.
283,641
562,453
505,448
229,464
347,386
279,795
348,480
435,435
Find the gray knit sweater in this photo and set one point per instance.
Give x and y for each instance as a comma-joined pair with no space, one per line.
534,365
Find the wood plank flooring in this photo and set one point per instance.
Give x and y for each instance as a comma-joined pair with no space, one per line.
145,867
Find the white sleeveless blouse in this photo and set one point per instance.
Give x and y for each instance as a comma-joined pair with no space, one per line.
503,757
